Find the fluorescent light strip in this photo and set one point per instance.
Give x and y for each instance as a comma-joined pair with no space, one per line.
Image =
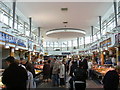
57,31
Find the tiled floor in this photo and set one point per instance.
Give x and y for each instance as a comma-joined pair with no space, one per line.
89,84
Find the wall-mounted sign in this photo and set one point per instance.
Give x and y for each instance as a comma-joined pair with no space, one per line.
105,43
94,47
11,39
81,51
66,53
30,44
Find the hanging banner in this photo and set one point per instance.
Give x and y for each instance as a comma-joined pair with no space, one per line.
11,39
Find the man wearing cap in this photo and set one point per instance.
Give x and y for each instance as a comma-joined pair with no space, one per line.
14,76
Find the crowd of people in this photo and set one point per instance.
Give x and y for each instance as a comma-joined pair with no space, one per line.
21,74
79,70
57,70
18,74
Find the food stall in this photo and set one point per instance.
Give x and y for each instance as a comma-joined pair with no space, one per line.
38,68
99,71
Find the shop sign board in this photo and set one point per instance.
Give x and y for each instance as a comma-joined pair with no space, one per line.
81,51
11,39
38,48
117,38
66,53
30,46
105,43
94,47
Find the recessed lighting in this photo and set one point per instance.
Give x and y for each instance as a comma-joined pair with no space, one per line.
65,22
64,9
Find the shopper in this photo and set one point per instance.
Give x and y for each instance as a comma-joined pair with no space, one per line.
52,62
29,66
84,63
73,67
90,69
14,76
113,61
80,76
30,82
55,72
62,74
46,71
111,80
68,62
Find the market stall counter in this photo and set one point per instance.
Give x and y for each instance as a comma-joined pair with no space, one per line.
39,74
99,71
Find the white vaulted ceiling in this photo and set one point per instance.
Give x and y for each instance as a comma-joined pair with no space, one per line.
48,15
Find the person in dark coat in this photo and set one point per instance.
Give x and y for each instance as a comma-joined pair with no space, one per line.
73,67
29,66
111,80
14,76
46,71
84,64
80,76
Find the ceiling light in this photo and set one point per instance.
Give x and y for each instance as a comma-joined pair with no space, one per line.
64,9
65,30
16,48
65,22
7,46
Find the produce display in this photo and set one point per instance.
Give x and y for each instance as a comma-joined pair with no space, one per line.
37,71
39,66
102,69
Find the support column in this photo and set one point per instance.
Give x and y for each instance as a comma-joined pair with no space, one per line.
30,22
53,45
46,47
67,46
92,33
29,56
100,24
24,29
39,35
14,7
115,12
102,58
84,41
118,55
72,44
12,51
78,43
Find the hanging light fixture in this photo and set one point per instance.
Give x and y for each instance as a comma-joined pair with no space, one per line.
16,48
7,46
65,31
